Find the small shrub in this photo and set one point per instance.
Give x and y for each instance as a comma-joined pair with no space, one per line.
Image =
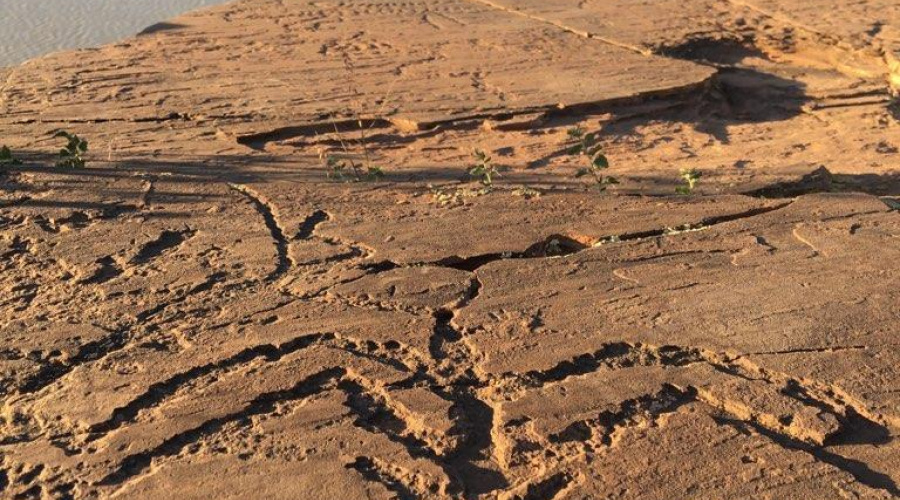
335,168
585,145
72,155
690,177
368,170
347,170
6,157
484,169
374,173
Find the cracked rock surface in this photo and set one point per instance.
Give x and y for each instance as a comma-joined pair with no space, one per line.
202,313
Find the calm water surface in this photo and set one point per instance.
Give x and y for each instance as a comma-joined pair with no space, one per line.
30,28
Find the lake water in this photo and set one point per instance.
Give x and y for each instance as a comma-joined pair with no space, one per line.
30,28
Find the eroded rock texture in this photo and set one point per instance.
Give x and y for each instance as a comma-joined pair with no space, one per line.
202,313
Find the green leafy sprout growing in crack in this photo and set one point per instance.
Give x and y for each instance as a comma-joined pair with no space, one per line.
483,169
335,168
6,157
343,168
72,155
586,146
690,177
340,169
348,166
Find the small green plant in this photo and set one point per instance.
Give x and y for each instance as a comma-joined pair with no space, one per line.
585,145
690,177
72,155
368,171
374,173
6,157
346,169
335,168
348,166
483,169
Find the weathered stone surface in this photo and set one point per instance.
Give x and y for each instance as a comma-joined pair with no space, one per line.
203,312
420,58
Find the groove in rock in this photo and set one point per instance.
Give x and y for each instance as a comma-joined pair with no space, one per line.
468,121
561,26
262,404
160,391
560,246
167,241
810,350
108,269
549,488
475,423
373,471
376,416
859,470
703,223
282,245
461,463
87,353
443,334
308,226
101,348
632,412
855,428
616,355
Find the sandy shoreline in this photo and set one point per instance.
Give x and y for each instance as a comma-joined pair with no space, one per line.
207,310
